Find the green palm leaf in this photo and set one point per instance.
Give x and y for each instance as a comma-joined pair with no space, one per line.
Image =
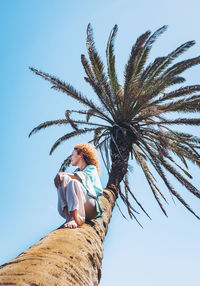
68,136
47,124
111,64
98,69
69,90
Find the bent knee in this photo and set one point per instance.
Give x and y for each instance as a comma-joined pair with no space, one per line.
65,177
76,185
74,182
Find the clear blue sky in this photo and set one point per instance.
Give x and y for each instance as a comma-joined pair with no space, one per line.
50,35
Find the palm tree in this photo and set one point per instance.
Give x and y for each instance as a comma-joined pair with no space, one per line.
134,120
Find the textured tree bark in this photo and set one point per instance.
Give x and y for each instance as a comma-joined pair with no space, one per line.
119,158
65,256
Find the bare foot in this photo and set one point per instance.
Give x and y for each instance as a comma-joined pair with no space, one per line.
77,218
71,224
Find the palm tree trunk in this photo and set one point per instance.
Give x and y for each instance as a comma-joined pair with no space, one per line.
120,151
65,256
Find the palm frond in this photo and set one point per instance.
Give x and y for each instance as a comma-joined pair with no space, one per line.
185,121
105,161
131,210
150,90
98,69
85,122
184,203
91,79
71,122
89,113
183,170
68,136
184,152
132,61
71,91
121,211
183,91
168,59
147,48
104,149
111,64
149,178
47,124
184,106
187,136
133,196
180,178
97,132
66,163
153,158
180,67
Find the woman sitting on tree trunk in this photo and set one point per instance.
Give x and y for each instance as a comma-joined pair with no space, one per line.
78,193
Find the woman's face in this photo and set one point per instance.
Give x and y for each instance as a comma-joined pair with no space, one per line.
75,158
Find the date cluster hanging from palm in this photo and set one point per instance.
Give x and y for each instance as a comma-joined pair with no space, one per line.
133,119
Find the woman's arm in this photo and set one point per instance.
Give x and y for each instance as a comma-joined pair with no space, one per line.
58,178
74,177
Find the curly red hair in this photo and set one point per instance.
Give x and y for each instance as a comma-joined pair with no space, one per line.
90,154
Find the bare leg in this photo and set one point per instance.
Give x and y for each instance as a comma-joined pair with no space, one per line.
75,197
74,220
70,222
90,208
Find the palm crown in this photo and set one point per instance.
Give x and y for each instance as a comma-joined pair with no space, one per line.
132,119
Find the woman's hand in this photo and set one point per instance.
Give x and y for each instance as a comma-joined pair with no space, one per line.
58,179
